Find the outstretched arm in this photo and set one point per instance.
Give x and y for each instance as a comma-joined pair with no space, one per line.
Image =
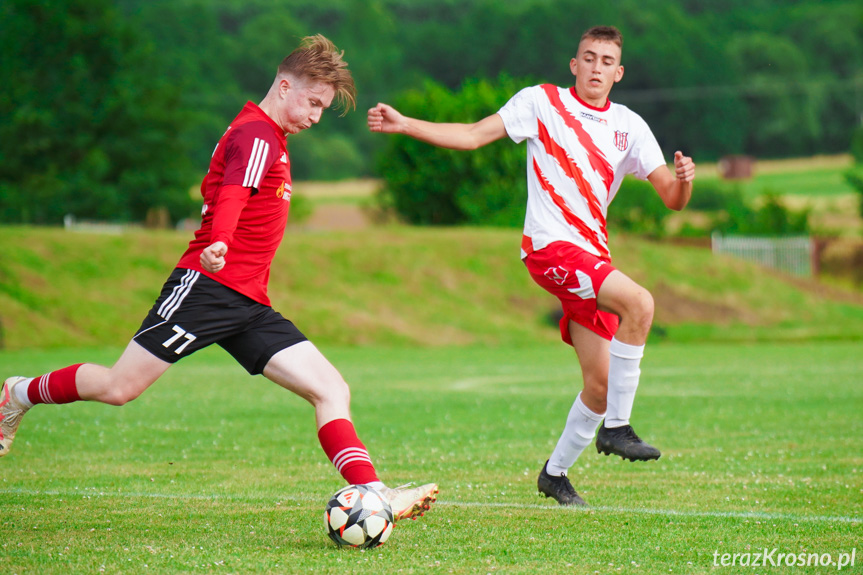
675,190
386,119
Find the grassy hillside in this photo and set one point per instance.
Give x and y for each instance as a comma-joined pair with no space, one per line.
397,286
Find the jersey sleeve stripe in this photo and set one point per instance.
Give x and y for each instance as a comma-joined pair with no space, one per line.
252,177
251,162
262,164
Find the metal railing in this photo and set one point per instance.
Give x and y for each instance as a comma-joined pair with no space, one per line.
792,255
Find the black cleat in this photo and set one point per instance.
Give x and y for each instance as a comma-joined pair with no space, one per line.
558,488
624,442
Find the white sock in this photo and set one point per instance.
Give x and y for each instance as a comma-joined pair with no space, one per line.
20,392
623,373
376,484
581,425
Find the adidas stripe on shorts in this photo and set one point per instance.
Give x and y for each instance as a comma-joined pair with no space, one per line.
194,311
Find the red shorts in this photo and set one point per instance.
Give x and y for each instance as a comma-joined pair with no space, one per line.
574,276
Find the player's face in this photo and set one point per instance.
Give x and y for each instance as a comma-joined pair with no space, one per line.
596,69
302,103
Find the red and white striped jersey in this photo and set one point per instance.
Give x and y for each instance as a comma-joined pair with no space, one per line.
577,156
247,193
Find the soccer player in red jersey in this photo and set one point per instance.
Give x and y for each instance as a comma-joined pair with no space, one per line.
218,291
580,145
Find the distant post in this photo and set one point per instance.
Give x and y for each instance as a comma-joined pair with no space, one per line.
736,167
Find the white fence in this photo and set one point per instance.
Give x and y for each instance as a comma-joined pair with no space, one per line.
72,224
792,255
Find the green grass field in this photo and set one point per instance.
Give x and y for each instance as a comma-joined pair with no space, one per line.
212,471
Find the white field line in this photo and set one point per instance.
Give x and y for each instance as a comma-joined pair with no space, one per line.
749,515
753,515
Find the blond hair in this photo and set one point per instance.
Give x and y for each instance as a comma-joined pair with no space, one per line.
604,34
318,59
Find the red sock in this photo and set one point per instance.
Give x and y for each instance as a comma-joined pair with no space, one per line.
346,451
55,387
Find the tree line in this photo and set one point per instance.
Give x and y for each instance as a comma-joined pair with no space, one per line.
109,108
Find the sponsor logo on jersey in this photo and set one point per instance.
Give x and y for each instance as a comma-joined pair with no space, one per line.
284,158
599,265
593,118
557,274
621,140
284,192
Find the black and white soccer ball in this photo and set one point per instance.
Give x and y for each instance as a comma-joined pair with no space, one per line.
358,516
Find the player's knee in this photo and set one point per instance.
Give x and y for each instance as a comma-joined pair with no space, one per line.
118,397
120,393
342,391
640,310
647,308
334,392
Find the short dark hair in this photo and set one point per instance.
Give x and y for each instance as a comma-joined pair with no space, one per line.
604,34
319,60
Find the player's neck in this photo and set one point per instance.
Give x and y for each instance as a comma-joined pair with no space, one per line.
596,103
267,107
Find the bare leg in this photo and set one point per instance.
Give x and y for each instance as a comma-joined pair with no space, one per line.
135,371
304,370
631,302
592,351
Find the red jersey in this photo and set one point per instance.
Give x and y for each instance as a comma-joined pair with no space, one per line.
247,193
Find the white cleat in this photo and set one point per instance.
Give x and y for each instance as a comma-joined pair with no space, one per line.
410,502
10,413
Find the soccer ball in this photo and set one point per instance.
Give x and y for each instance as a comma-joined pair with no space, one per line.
358,516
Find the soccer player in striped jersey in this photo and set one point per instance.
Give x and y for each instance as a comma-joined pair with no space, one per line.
218,291
580,145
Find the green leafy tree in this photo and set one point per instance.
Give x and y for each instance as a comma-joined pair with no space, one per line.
434,186
87,123
776,71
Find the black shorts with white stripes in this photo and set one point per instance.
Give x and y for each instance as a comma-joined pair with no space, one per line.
194,311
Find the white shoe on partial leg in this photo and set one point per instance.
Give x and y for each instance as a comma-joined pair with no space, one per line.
410,502
11,413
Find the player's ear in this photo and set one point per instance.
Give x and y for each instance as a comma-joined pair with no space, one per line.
572,65
618,76
284,85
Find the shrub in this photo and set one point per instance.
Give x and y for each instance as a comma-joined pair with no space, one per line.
713,195
637,208
771,218
428,185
